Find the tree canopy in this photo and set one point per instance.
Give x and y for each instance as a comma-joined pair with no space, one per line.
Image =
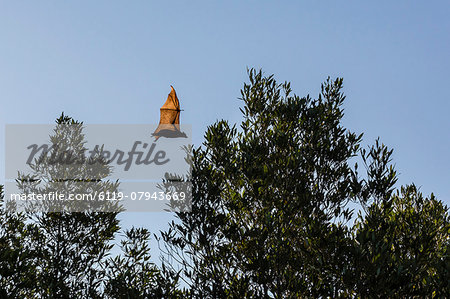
280,209
271,214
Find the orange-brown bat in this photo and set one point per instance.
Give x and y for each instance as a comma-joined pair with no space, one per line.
169,123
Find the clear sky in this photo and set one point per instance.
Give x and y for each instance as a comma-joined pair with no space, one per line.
114,62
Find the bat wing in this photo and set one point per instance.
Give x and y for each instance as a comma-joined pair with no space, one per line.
169,123
172,102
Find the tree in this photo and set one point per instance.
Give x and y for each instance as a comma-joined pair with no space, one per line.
63,250
18,261
270,217
72,246
402,247
133,275
270,201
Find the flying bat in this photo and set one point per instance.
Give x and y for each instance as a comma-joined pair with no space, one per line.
169,123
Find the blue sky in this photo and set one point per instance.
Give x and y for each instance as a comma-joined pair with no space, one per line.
114,62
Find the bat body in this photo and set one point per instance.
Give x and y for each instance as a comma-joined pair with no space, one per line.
169,123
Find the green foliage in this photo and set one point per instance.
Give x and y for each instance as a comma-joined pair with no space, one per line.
18,259
63,254
133,275
401,247
264,198
71,247
270,201
270,218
